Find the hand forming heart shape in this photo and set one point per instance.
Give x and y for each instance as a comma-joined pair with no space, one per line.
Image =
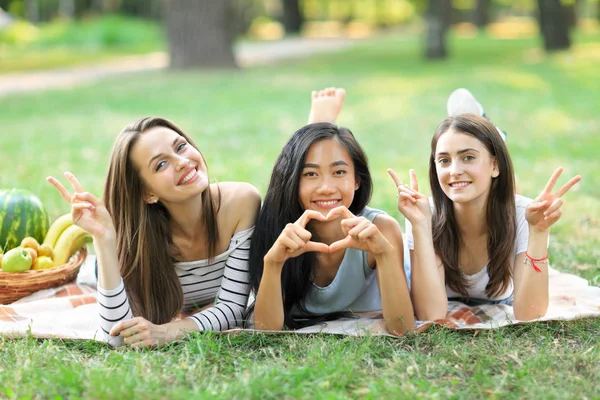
294,240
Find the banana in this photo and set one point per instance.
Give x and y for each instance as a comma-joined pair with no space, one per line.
72,239
57,228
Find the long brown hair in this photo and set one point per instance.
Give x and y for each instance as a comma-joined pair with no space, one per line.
500,210
145,248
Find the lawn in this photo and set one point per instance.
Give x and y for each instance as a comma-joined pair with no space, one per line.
240,119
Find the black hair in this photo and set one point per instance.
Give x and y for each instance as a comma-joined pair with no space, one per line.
282,205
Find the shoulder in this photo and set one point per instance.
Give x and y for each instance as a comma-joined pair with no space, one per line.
239,203
379,218
235,193
388,226
370,213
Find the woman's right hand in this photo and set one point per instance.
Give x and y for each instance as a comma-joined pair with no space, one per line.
295,240
88,212
412,204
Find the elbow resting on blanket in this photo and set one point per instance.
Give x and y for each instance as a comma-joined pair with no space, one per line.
528,313
432,313
401,326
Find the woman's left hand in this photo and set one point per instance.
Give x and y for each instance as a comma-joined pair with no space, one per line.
361,233
544,210
138,333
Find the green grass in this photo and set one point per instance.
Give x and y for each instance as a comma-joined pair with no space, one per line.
64,43
240,119
546,360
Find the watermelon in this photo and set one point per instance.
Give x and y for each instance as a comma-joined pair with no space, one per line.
22,214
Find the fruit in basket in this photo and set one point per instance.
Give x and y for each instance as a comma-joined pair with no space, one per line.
43,262
22,214
46,250
56,229
16,260
71,240
31,243
32,253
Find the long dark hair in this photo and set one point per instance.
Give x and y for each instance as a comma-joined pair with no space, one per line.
500,210
145,248
282,205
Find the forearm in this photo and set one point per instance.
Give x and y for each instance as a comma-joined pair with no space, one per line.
531,290
232,298
268,310
428,290
109,274
177,330
397,307
113,307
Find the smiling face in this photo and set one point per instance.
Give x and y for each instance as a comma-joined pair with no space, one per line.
172,169
327,179
464,167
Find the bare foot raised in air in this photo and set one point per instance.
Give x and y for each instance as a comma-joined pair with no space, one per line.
326,105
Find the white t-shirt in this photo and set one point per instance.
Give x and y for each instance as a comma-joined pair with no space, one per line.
476,283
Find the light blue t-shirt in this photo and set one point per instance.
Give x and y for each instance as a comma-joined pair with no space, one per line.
354,288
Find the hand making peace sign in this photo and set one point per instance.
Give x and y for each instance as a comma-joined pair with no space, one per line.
544,211
295,240
412,204
88,212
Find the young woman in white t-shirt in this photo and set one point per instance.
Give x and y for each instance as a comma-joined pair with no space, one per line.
477,241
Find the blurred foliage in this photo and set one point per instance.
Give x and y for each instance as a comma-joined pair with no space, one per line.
103,32
375,12
378,12
19,33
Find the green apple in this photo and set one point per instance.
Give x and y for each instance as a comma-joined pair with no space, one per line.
16,260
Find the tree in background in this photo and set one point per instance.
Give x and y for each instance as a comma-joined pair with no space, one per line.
481,14
571,9
66,9
292,17
32,11
554,25
200,33
437,17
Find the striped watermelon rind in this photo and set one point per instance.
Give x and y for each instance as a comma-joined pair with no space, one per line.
22,214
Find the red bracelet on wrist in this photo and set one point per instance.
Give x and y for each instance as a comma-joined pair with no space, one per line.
532,261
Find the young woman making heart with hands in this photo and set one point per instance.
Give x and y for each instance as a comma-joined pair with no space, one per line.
476,241
339,255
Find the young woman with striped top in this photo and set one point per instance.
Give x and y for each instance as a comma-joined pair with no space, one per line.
167,241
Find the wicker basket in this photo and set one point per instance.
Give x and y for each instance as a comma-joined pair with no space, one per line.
14,286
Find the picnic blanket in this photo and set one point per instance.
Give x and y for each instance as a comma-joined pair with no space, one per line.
71,312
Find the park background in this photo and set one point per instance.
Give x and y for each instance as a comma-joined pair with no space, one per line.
237,75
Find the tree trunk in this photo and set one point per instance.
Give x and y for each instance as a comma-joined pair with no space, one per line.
437,24
32,11
554,25
98,6
66,9
200,33
292,18
571,11
481,14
